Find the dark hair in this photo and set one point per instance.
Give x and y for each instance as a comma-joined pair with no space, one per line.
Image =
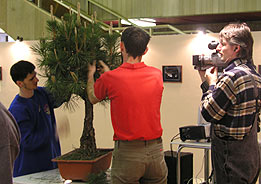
135,41
20,70
239,34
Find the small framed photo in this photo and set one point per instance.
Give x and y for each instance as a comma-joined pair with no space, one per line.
172,73
1,73
259,69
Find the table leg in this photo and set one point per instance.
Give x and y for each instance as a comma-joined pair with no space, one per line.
178,164
206,164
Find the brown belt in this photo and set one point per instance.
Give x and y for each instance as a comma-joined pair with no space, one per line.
144,142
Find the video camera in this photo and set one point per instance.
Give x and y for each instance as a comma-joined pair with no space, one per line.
202,62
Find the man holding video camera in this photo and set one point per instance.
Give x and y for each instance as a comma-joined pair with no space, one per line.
231,103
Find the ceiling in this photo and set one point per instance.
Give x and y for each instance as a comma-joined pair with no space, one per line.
179,24
212,22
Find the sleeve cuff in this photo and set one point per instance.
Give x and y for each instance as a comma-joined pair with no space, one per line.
204,86
211,87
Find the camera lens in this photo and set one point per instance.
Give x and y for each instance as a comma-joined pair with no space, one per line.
213,45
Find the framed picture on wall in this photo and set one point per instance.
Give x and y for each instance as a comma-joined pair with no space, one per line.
172,73
0,73
259,69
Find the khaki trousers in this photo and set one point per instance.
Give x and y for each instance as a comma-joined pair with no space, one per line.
139,162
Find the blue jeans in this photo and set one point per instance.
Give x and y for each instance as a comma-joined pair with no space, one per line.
236,161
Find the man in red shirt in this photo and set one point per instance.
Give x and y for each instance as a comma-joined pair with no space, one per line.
135,92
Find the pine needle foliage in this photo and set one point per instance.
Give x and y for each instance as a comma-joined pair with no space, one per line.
64,59
65,56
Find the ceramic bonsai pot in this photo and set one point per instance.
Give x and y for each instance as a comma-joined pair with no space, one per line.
80,169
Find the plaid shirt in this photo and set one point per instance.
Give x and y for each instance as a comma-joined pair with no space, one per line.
230,104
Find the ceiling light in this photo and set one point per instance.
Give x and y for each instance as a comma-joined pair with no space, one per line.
142,22
201,33
199,45
20,51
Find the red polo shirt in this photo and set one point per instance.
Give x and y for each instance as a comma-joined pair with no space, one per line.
135,92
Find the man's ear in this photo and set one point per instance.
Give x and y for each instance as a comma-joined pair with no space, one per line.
146,50
237,48
122,46
19,84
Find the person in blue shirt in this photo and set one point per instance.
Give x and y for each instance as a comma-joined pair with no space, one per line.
33,109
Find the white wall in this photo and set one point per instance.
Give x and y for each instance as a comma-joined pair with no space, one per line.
179,104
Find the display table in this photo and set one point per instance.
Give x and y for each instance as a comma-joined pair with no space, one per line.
193,144
46,177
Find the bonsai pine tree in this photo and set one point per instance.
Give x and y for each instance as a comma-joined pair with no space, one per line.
64,59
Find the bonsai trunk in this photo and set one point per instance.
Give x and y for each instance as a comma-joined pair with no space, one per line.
87,141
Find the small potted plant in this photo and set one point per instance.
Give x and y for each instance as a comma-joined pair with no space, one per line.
63,61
